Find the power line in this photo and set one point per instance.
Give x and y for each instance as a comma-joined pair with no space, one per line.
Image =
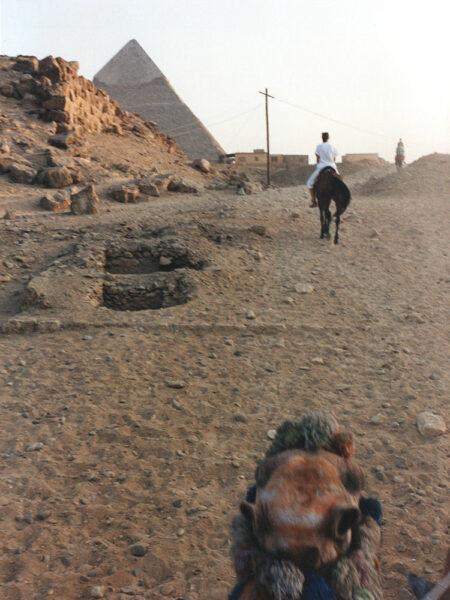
190,128
367,131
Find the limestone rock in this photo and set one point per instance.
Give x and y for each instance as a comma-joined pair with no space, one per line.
57,177
22,173
5,164
149,188
4,147
162,182
183,186
126,194
258,229
63,140
26,64
430,424
7,89
54,205
252,187
202,165
85,202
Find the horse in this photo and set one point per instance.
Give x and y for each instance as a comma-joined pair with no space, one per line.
328,187
399,160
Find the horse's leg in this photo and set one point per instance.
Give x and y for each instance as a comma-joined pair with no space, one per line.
328,221
322,223
338,221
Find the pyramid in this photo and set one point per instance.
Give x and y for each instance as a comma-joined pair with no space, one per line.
137,84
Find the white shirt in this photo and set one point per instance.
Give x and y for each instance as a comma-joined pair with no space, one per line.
326,153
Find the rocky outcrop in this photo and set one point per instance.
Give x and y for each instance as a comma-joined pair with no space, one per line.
73,102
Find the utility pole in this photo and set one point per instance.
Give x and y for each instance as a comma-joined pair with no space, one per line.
267,95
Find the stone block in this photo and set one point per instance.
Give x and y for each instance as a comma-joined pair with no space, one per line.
63,140
149,188
59,116
184,186
202,165
50,68
26,64
7,89
126,194
56,102
55,205
57,177
85,202
22,174
430,424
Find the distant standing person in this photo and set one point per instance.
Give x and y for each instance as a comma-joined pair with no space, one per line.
326,155
400,154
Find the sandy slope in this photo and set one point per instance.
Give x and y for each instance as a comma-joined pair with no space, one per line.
152,421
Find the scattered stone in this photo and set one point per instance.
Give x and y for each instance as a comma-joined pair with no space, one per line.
126,194
305,288
98,591
4,147
165,261
184,186
377,419
138,550
63,140
289,300
177,503
272,434
259,230
7,89
317,360
53,205
202,165
149,188
239,418
22,174
430,424
34,446
373,234
84,202
10,215
57,177
176,384
251,187
66,561
401,463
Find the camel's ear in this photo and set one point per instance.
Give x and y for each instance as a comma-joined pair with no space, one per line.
343,519
249,513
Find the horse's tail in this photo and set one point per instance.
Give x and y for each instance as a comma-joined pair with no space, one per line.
344,196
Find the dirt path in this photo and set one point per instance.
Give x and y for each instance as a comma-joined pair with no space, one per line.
151,426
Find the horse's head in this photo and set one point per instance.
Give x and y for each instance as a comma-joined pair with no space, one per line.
306,507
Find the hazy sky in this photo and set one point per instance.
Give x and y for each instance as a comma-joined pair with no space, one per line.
381,67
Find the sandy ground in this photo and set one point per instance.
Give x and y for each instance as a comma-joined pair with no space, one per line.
148,424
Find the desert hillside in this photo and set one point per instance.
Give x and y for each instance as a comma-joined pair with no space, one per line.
155,326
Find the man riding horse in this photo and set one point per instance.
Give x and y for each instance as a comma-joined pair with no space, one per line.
326,155
400,154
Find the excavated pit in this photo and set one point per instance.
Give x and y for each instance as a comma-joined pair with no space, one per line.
162,290
149,258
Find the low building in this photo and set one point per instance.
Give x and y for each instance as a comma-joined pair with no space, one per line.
357,157
258,158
